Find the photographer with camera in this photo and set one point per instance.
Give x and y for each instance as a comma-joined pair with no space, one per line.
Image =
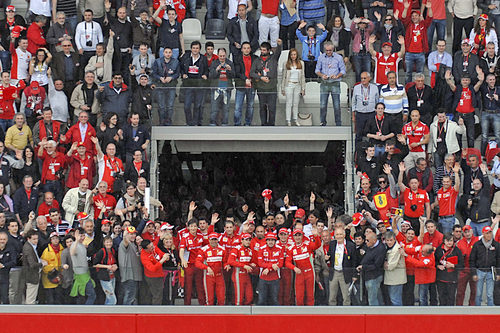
54,163
478,202
129,207
110,167
101,64
88,34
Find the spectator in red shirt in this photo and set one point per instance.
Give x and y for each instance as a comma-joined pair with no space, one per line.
465,276
417,136
446,200
152,260
81,165
47,204
416,41
54,163
103,198
82,131
425,270
35,34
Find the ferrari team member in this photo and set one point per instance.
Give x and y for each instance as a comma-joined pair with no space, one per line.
285,291
270,260
212,260
242,260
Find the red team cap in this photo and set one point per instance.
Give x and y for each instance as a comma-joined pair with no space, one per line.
267,193
482,16
10,9
300,213
149,222
387,44
284,231
271,235
246,235
356,219
213,235
81,216
105,221
466,227
297,231
131,230
53,234
487,229
166,226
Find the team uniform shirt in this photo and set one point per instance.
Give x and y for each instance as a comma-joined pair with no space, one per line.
418,198
415,135
20,63
239,257
153,237
213,257
301,256
43,209
51,165
466,247
384,201
447,200
435,239
408,247
267,258
192,245
109,168
229,242
384,65
417,31
465,102
80,168
257,244
7,106
109,202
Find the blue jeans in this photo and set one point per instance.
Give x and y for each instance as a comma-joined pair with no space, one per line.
379,151
90,293
373,290
417,59
109,290
396,294
73,21
129,290
362,63
221,103
447,224
215,7
193,96
165,97
268,292
423,294
5,124
241,94
490,284
5,59
327,89
487,119
440,27
478,227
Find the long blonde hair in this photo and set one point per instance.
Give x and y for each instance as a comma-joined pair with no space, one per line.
289,62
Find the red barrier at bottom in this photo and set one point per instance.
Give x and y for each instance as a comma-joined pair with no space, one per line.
145,323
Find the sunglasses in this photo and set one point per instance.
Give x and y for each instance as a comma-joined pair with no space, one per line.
388,19
381,181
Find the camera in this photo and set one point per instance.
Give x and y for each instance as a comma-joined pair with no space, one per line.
365,103
89,43
413,207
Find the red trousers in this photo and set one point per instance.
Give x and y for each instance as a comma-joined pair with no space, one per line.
243,292
464,277
214,286
304,288
285,293
193,274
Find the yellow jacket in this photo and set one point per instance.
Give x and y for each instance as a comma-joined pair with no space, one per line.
54,261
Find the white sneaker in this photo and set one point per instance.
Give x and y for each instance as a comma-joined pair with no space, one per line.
288,123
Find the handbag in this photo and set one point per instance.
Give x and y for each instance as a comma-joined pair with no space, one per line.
55,276
305,119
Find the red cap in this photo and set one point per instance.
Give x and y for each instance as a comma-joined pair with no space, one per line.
131,230
10,9
53,234
387,44
482,16
246,235
267,193
35,87
105,221
149,222
466,227
487,229
416,11
271,235
80,144
82,216
466,41
300,213
251,222
297,231
284,231
213,235
166,226
356,219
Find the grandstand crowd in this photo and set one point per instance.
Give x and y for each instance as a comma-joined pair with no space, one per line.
81,82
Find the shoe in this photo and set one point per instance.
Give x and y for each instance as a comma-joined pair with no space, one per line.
323,124
296,123
288,123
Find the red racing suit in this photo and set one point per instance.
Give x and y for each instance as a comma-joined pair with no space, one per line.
240,257
192,246
285,292
213,257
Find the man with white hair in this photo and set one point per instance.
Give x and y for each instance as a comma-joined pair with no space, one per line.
78,200
54,163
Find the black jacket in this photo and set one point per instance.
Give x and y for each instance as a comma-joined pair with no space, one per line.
59,66
5,30
349,261
372,127
426,108
133,143
448,275
470,175
131,173
344,41
22,205
396,31
484,259
194,79
239,70
233,33
101,257
8,258
480,209
458,67
373,261
142,97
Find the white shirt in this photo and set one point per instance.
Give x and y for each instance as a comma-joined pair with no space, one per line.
41,7
58,103
339,256
233,7
88,31
23,63
83,130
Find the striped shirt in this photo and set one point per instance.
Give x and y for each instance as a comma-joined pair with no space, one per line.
311,9
438,177
67,6
395,99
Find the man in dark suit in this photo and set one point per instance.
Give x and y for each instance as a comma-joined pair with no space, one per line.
243,84
32,266
236,36
25,200
343,259
372,267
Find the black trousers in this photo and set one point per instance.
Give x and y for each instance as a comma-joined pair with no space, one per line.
469,126
447,292
361,120
310,69
459,25
409,291
287,35
85,57
267,107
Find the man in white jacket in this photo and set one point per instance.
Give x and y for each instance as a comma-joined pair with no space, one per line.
77,200
394,269
443,139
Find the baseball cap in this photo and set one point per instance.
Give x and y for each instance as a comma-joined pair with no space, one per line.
35,87
267,193
270,213
416,11
53,234
149,222
484,17
466,41
300,213
245,235
297,231
387,44
166,226
10,9
356,219
271,235
80,144
487,229
466,227
284,231
105,221
213,235
82,216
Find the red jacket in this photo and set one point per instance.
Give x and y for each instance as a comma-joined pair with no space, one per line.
229,243
36,39
257,244
151,262
73,135
408,247
466,247
267,258
7,101
436,239
239,257
213,257
301,256
109,202
51,165
43,209
422,27
80,169
425,267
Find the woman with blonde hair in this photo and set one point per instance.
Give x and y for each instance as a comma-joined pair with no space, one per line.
293,85
170,268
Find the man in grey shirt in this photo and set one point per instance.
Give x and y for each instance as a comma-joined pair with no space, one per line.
83,285
130,265
364,98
